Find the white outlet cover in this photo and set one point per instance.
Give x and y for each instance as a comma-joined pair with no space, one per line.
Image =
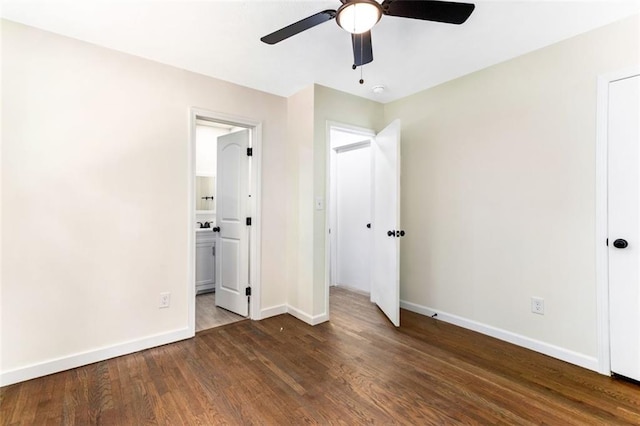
537,305
319,203
165,300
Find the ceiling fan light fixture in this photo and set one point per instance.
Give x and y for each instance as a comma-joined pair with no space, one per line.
359,16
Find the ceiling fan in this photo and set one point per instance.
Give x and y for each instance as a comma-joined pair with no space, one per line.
359,16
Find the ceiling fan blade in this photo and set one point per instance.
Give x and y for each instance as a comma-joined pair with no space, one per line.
298,27
429,10
362,50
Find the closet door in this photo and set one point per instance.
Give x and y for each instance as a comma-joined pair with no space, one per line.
624,226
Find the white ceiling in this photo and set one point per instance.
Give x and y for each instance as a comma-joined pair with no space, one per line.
221,38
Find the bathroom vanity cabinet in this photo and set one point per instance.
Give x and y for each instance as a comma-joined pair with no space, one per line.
205,261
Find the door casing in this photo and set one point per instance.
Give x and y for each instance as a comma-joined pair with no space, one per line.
602,219
255,176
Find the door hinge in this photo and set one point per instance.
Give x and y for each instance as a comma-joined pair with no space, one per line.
247,291
607,242
213,250
248,221
249,152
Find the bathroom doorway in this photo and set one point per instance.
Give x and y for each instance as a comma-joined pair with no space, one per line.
224,214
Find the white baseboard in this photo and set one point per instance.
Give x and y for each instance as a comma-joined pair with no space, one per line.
319,319
272,311
563,354
89,357
303,316
297,313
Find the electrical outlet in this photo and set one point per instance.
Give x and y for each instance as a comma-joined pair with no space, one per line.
165,300
537,305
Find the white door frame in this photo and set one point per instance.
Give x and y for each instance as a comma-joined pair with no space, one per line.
602,219
330,238
255,207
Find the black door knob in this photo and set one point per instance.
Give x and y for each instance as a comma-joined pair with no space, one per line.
391,233
402,233
620,243
216,229
368,226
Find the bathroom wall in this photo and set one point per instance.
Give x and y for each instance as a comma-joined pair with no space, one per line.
206,158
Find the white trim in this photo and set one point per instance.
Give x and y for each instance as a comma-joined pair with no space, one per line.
554,351
602,252
349,128
309,319
352,146
601,215
273,311
297,313
255,256
191,224
255,208
89,357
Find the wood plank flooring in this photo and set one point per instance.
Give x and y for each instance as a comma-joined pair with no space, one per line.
355,369
208,315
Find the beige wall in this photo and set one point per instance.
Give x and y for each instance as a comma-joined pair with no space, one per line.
94,193
498,189
300,242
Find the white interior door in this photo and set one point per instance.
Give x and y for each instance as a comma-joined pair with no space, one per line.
385,285
624,227
353,199
232,248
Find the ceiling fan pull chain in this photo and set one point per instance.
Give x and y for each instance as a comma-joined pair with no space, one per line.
362,56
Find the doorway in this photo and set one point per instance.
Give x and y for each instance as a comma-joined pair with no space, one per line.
224,219
350,209
364,213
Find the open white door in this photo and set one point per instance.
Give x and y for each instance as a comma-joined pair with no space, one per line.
385,283
232,247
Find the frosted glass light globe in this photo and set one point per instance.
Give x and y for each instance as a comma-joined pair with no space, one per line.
359,16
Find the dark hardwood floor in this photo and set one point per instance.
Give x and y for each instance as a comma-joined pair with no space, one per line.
354,369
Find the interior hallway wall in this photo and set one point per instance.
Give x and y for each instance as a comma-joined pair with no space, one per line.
299,236
498,190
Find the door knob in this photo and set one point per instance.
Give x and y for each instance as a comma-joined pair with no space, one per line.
391,233
620,243
401,233
216,229
368,226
